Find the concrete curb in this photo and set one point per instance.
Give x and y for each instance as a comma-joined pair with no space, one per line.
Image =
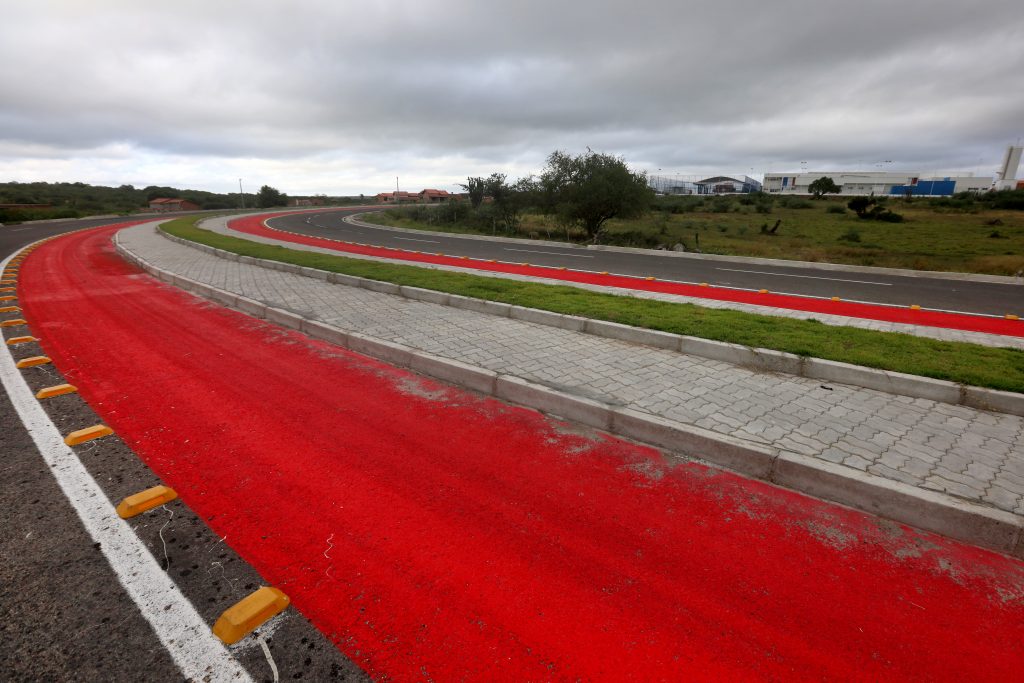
931,511
750,260
762,360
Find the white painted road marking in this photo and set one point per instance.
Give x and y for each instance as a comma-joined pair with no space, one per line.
188,639
809,277
555,253
413,239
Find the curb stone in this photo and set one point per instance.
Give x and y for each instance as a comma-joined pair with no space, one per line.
763,360
927,510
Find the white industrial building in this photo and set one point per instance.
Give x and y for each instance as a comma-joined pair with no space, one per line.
1006,179
877,183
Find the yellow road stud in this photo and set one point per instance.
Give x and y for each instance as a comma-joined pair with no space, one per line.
139,502
762,291
1011,316
8,289
650,278
524,263
835,298
32,361
13,322
491,261
249,613
915,307
604,272
13,341
703,284
9,309
463,257
87,434
57,390
8,298
563,268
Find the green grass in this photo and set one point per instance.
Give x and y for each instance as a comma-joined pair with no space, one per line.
997,368
932,238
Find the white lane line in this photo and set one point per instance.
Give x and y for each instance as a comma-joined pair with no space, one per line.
413,239
188,639
808,277
555,253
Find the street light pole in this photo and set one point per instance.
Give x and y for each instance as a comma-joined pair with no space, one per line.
240,193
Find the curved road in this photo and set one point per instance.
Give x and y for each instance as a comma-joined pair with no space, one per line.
961,296
433,533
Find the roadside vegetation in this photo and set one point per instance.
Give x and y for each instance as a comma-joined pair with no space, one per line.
964,233
74,200
997,368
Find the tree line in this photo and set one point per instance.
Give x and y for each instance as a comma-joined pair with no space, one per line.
580,192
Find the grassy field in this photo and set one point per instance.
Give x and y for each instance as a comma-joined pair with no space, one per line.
933,237
965,363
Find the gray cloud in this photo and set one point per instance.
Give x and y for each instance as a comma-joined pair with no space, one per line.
340,96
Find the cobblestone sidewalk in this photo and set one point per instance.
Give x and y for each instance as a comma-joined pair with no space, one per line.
974,455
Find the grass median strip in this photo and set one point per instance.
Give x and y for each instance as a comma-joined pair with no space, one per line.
996,368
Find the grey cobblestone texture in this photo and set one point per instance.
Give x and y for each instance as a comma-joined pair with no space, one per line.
220,225
970,454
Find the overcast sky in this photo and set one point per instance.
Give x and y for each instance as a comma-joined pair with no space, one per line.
339,97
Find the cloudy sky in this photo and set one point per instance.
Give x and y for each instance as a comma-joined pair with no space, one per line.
339,97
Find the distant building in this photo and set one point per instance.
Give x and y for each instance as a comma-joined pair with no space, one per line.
876,183
307,201
434,196
428,196
168,204
1006,179
694,184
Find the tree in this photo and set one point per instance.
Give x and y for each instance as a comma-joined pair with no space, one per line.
269,196
822,186
589,189
475,188
508,201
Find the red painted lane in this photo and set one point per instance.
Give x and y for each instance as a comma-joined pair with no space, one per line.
254,225
432,533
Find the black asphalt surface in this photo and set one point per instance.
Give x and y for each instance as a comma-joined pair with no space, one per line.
65,615
929,292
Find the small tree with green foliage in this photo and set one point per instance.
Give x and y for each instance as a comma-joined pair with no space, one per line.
475,187
823,186
269,196
589,189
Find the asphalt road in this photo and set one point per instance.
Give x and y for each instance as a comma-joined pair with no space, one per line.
962,296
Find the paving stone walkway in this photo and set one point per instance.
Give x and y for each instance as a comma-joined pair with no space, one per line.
970,454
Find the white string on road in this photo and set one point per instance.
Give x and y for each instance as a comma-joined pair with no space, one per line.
188,639
553,253
808,277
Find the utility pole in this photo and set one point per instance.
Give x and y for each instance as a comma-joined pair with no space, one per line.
240,193
397,200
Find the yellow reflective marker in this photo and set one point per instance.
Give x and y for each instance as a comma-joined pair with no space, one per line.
650,278
138,503
9,309
32,361
8,298
13,322
491,261
249,613
762,291
524,263
20,340
463,257
563,268
915,307
8,289
835,298
703,284
57,390
87,434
